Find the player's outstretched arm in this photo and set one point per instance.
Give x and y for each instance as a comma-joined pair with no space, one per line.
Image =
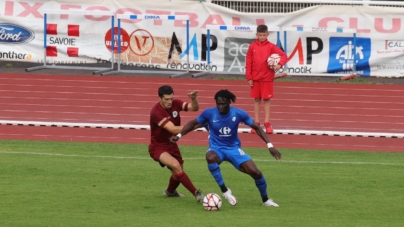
194,105
191,125
173,129
260,132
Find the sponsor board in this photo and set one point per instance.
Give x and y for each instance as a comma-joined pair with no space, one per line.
343,55
15,34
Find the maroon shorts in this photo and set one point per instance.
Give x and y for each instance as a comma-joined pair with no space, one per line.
262,89
156,151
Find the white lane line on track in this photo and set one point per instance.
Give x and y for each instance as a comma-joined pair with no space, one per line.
133,102
136,96
75,87
148,158
241,130
143,115
180,82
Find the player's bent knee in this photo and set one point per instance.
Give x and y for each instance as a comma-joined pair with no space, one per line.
211,157
175,167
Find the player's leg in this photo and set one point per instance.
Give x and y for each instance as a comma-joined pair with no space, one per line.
251,169
267,92
267,124
256,95
178,175
171,190
267,108
257,110
214,160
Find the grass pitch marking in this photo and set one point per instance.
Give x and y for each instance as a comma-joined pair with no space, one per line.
255,160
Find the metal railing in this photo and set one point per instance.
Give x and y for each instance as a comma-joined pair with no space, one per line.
288,6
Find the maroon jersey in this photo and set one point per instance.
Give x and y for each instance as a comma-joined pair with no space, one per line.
160,117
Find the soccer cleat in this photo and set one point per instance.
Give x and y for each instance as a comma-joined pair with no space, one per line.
270,203
232,200
198,195
175,194
268,128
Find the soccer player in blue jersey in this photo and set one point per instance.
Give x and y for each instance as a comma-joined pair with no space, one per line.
222,124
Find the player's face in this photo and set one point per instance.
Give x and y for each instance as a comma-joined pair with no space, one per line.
262,36
167,101
223,105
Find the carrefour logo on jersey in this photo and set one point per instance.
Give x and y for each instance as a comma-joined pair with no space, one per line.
225,132
344,55
15,34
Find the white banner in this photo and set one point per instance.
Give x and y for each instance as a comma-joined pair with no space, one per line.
159,40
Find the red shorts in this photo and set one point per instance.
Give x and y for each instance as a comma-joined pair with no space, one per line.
156,151
262,89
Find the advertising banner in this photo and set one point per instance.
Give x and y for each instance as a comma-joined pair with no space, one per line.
155,41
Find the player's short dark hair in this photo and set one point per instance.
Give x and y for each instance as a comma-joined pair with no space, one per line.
165,90
262,28
225,94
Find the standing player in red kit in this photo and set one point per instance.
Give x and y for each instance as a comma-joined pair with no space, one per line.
165,121
260,76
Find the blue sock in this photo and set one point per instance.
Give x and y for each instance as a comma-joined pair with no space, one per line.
262,186
215,171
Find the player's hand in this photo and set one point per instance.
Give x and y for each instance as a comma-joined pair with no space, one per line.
250,82
276,67
275,153
174,139
193,95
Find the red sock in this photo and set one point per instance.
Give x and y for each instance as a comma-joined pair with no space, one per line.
172,185
184,179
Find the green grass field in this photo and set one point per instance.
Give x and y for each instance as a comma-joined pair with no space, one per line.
105,184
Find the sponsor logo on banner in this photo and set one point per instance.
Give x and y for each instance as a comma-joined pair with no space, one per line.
391,47
301,57
391,62
319,29
68,43
155,17
242,28
141,42
235,50
12,55
342,55
15,34
124,39
394,45
148,51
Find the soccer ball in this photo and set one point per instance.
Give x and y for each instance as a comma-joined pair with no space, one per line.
212,201
273,60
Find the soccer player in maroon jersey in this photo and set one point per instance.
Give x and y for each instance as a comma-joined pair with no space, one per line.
165,121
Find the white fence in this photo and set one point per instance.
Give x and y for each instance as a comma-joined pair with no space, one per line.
288,6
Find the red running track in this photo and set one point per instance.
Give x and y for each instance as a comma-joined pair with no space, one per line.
128,100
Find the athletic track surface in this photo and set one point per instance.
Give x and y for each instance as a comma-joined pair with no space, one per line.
128,100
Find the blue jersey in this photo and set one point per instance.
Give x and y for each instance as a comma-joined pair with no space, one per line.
223,128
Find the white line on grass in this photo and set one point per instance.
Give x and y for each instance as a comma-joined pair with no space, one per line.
147,158
73,155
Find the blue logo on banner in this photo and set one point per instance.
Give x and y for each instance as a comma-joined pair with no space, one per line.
15,34
341,59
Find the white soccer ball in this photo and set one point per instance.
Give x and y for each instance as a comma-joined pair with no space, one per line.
273,60
212,201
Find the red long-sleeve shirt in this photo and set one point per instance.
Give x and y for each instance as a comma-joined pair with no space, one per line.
256,60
